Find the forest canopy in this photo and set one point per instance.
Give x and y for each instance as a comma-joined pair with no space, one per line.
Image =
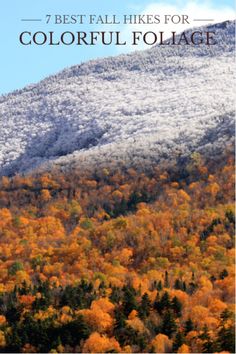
119,260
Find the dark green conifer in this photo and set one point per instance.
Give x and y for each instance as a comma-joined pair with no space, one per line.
178,341
189,326
168,323
145,306
166,283
176,306
129,300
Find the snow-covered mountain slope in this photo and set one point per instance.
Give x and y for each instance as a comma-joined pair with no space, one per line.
146,106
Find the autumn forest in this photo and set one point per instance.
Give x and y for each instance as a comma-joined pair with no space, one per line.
119,260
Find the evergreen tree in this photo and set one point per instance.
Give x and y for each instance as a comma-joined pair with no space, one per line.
192,287
208,344
13,341
123,333
166,283
120,320
159,285
168,323
164,302
13,313
176,306
178,341
116,294
156,304
129,300
226,339
145,306
178,284
189,326
73,332
226,333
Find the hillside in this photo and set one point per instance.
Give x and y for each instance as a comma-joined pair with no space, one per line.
119,261
117,224
137,109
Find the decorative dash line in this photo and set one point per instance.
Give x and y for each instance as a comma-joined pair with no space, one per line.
204,19
31,20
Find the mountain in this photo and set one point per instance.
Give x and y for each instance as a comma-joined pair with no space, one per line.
139,108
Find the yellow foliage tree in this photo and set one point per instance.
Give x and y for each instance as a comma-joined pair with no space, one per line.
103,304
136,324
184,349
161,344
97,343
99,320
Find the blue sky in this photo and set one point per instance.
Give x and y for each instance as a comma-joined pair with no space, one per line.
22,65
